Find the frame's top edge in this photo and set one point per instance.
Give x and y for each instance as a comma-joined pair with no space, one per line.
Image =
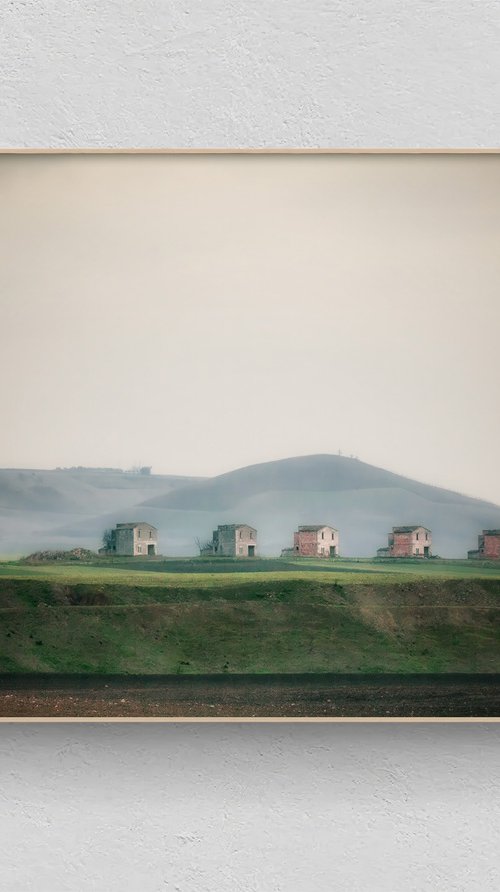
248,151
245,720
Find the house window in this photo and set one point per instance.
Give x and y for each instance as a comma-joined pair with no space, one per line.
417,551
322,535
150,534
333,535
241,535
139,549
417,537
138,534
240,549
426,536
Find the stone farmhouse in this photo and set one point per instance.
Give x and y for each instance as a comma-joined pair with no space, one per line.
135,539
488,546
234,540
404,542
316,541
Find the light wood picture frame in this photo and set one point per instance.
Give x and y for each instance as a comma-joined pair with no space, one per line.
322,633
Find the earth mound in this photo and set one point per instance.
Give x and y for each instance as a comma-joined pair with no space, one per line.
75,554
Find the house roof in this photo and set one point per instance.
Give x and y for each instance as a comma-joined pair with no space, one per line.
417,526
491,532
314,528
132,526
235,526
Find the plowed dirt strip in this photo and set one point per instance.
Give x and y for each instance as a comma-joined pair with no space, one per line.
254,696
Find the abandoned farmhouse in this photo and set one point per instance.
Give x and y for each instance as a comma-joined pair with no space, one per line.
407,542
316,541
313,540
488,546
234,540
132,539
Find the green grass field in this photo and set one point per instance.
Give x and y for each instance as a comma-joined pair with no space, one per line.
310,616
216,573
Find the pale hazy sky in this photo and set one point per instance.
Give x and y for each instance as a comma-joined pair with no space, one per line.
201,313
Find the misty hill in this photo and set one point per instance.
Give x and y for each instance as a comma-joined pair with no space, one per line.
310,473
80,489
44,508
362,501
63,509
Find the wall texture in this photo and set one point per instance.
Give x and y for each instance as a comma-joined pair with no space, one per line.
260,73
189,808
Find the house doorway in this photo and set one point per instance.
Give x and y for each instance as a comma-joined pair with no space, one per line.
151,549
251,551
333,551
426,551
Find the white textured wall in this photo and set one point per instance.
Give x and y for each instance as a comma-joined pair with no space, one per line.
260,72
190,808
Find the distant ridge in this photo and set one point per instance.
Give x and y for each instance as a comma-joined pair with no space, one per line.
311,473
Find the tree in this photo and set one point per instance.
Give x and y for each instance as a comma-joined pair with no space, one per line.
108,539
204,547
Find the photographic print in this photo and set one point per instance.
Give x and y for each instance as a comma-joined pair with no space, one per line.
250,435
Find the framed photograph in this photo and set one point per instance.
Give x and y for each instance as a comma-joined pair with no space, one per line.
250,429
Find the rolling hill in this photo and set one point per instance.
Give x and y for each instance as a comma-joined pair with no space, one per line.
58,508
362,501
62,509
304,474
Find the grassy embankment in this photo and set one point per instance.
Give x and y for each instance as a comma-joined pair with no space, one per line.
310,616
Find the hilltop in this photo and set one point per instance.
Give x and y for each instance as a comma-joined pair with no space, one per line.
361,500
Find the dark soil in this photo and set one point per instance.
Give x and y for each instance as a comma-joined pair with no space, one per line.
324,695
